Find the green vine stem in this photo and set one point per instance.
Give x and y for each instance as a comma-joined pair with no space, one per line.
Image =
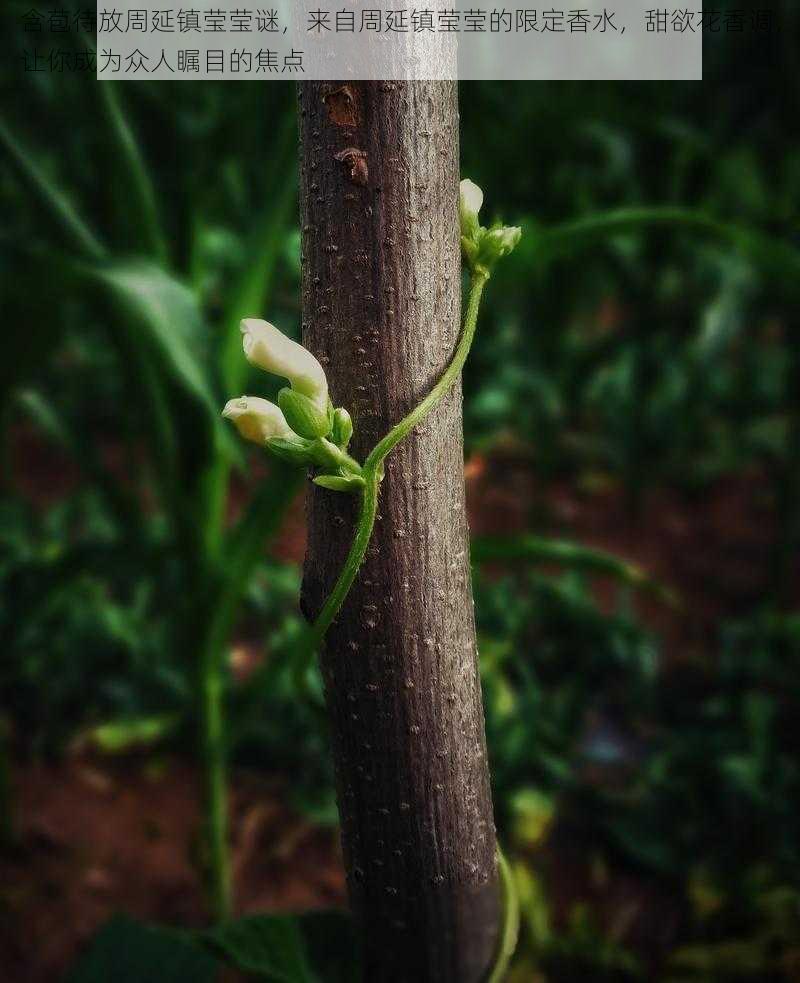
215,793
372,470
509,923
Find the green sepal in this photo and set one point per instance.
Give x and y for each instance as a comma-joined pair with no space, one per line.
303,415
483,249
351,485
497,242
470,225
295,450
470,250
326,454
342,428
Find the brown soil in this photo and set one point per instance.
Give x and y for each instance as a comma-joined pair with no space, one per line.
97,836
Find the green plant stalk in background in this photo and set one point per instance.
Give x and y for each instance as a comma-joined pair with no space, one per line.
154,310
244,546
214,758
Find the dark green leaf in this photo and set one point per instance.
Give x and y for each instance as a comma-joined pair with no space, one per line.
168,312
773,256
269,946
252,290
125,951
53,198
141,202
538,550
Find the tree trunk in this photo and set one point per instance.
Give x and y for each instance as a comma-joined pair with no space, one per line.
381,310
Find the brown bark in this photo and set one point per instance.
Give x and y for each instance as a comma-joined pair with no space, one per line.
381,310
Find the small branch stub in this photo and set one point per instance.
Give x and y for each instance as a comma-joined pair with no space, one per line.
356,161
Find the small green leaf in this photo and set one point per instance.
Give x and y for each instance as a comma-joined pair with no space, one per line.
333,482
303,415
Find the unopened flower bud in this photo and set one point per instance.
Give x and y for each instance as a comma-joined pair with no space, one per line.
269,349
342,429
303,415
469,204
497,243
256,419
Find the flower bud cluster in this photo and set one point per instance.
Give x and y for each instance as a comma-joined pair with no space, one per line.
482,247
303,428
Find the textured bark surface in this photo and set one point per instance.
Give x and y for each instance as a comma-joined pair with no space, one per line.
381,310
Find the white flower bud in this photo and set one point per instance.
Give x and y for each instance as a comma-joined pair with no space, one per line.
269,349
469,204
256,419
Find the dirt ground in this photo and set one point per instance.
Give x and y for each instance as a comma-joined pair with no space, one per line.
97,836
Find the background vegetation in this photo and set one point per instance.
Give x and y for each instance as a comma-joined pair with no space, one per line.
633,468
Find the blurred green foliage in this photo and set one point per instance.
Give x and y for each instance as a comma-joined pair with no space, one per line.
643,332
